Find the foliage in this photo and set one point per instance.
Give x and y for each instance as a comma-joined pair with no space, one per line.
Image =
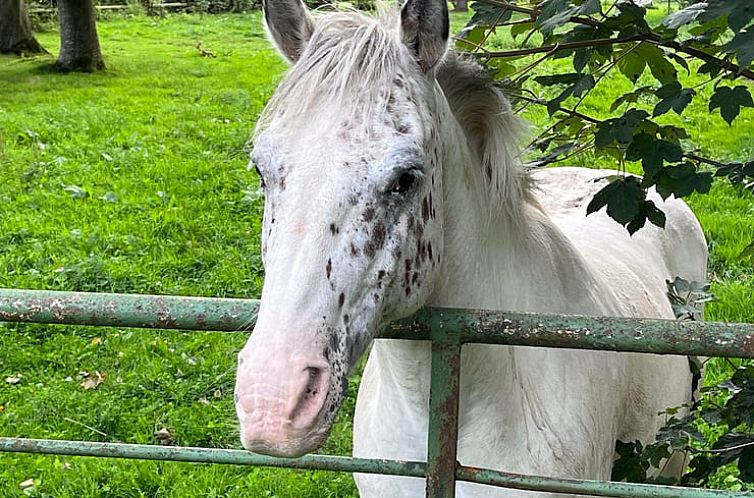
726,407
712,40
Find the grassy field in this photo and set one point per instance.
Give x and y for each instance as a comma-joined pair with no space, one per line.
135,180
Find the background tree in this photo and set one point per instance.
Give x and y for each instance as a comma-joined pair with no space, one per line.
15,29
79,43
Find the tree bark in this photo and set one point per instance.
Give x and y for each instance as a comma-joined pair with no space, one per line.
79,44
461,6
15,30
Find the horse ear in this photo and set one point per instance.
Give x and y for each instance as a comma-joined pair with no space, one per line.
289,25
425,26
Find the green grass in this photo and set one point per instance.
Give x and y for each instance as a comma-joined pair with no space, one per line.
135,180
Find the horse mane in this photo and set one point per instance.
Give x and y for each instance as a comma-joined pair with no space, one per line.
352,56
492,130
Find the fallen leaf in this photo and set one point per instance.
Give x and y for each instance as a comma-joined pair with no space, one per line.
203,401
218,393
2,408
96,341
29,483
164,437
93,381
13,379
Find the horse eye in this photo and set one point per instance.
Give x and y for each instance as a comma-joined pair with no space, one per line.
259,174
403,183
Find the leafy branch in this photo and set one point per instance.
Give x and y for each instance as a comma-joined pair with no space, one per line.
703,38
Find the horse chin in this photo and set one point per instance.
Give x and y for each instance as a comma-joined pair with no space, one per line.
294,444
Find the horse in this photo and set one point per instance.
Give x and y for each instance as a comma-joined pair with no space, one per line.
393,180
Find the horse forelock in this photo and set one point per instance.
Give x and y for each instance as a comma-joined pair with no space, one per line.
349,65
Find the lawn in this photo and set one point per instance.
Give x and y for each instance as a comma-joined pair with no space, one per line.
135,180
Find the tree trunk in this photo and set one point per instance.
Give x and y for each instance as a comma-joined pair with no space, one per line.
79,44
15,30
461,6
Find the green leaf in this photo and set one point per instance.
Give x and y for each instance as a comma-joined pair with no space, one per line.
488,15
662,69
737,172
730,100
684,16
473,34
648,211
502,67
738,12
631,65
630,466
682,180
623,199
746,465
554,14
521,28
743,46
673,97
620,130
653,152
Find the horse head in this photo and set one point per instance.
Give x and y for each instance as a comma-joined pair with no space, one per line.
349,154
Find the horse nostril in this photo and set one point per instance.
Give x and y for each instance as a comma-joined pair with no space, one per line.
313,384
312,396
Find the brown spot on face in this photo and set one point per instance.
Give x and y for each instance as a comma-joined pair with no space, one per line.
369,249
380,274
328,268
341,300
429,250
408,290
354,250
333,228
282,183
378,235
369,214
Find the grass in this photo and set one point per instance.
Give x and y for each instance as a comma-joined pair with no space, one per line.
135,180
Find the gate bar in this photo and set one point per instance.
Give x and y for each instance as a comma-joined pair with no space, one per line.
442,436
473,326
346,464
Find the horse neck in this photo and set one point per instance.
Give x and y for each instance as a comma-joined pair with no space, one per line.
487,255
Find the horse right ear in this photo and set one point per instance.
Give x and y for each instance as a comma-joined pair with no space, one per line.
425,27
289,25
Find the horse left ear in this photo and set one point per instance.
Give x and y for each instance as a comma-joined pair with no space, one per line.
289,24
425,26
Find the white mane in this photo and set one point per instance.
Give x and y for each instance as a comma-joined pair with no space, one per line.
356,58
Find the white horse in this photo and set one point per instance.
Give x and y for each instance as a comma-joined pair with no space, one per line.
392,182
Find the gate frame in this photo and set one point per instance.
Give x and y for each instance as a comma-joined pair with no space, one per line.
447,329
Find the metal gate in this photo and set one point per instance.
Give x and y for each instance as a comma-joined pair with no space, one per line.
448,329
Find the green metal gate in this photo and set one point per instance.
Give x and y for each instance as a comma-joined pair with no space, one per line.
448,329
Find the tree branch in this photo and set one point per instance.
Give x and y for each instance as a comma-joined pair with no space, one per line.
652,37
589,119
567,46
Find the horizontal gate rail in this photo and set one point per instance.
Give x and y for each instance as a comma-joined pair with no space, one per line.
347,464
470,326
448,329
